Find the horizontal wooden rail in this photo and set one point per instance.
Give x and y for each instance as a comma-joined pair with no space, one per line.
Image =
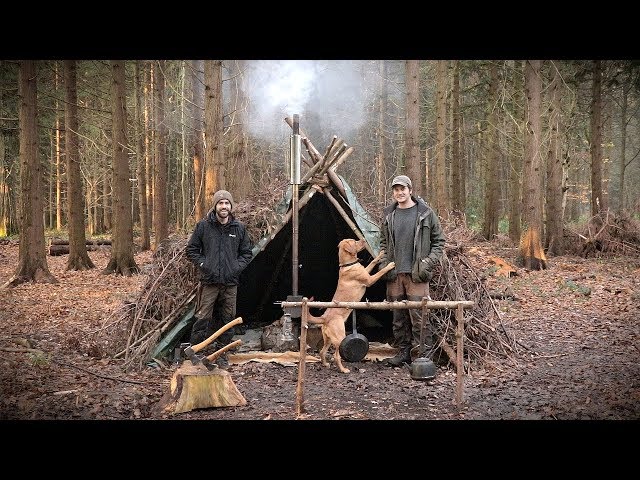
397,305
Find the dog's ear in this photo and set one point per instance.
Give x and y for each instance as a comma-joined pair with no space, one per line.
351,247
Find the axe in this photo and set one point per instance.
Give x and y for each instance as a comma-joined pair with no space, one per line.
190,352
208,361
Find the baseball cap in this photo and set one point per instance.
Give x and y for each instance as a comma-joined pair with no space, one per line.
401,180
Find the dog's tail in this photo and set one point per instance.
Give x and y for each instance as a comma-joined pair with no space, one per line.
317,320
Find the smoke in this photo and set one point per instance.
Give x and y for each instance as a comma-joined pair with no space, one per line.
329,95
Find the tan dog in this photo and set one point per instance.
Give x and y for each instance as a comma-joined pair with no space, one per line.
353,281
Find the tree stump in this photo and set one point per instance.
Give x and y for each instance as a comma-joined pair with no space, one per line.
193,387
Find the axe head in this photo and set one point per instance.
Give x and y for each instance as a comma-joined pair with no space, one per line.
191,355
209,364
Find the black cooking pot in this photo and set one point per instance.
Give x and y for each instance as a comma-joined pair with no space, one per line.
354,347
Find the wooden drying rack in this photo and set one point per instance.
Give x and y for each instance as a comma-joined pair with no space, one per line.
425,304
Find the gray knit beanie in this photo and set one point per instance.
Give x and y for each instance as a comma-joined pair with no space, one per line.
220,195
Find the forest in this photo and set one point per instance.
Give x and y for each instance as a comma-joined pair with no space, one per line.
532,166
136,147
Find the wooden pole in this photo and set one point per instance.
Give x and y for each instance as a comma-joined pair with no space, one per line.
346,218
303,358
397,305
459,355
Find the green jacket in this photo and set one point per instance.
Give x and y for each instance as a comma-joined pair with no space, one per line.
428,242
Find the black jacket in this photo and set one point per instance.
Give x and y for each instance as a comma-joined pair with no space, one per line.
428,242
220,251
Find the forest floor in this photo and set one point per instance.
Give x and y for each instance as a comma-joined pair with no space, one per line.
578,323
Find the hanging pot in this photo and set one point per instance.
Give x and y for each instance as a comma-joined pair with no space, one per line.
354,347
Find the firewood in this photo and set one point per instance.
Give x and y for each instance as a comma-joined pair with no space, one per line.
504,269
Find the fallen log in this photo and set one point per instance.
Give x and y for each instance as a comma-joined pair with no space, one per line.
57,250
97,241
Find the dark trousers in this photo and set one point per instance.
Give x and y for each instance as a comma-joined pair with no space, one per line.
216,306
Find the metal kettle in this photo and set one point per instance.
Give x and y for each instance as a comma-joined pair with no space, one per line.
423,368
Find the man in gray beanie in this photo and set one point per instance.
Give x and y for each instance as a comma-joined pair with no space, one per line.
220,248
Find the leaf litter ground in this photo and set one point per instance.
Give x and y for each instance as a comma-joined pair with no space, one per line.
577,323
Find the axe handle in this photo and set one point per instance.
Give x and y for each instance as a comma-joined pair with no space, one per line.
216,334
217,353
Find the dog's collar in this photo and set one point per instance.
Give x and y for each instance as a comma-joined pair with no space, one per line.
349,264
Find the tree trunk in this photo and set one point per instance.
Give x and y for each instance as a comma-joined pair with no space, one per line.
597,198
184,163
197,106
457,200
492,184
531,254
412,130
5,172
122,260
381,157
626,87
32,260
515,159
141,166
554,219
149,140
214,172
160,204
78,258
441,191
237,164
58,157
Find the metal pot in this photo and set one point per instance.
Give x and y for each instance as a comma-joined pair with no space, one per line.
355,346
423,368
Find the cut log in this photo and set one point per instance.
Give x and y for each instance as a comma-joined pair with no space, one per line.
194,387
504,269
97,241
57,250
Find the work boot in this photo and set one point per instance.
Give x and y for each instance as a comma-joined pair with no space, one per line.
403,356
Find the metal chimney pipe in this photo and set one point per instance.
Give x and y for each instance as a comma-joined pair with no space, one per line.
295,183
294,169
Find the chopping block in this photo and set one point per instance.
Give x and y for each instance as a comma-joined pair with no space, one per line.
194,387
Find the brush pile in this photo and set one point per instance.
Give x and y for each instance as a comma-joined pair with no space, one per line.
605,234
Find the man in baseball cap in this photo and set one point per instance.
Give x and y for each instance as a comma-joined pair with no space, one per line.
402,180
412,237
